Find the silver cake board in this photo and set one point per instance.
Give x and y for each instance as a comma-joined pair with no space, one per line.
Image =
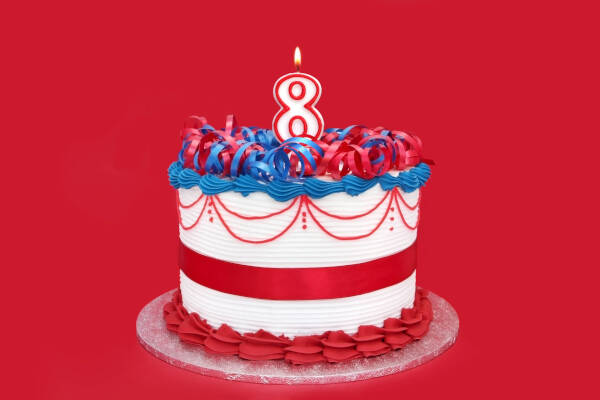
155,338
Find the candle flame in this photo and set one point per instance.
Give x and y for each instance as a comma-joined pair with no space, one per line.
297,58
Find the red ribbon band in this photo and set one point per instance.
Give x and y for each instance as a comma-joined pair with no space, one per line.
297,283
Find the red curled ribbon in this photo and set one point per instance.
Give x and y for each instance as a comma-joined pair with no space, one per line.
297,283
356,150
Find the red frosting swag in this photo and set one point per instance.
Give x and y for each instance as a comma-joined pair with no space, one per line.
331,346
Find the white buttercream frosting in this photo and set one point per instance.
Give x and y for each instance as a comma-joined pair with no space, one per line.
299,247
304,244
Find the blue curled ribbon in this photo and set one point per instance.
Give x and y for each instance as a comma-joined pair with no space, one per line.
259,155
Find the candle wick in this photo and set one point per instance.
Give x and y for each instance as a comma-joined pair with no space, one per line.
297,68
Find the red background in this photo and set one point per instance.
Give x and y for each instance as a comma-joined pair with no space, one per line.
503,94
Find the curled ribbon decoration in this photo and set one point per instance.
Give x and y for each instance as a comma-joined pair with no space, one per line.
234,151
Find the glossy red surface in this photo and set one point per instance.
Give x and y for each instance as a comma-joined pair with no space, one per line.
503,94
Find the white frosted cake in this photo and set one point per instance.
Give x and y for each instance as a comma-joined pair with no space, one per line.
303,250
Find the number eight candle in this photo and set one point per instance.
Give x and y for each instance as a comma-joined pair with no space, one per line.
297,93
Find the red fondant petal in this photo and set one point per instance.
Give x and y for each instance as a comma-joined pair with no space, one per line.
397,340
374,345
200,324
188,327
176,298
411,316
338,339
260,349
427,309
305,349
173,321
367,333
306,345
169,308
393,325
173,318
337,354
417,331
226,334
181,311
262,336
217,346
192,339
384,350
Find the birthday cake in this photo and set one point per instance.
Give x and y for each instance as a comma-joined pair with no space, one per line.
298,243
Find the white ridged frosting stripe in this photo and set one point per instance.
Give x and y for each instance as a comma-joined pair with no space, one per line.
297,317
298,247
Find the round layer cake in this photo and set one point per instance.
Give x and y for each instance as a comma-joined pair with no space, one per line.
304,250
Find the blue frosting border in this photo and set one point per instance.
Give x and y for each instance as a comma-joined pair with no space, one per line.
186,178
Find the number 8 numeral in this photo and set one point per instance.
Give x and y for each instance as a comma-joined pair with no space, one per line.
297,94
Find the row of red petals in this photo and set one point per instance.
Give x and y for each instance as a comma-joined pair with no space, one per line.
331,346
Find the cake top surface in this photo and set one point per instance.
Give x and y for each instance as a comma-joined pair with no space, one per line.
249,159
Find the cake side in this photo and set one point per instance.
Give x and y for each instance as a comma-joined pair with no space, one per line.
336,231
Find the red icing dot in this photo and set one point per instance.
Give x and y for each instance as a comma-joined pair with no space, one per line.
304,213
303,226
391,228
391,218
210,211
211,219
303,219
392,209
